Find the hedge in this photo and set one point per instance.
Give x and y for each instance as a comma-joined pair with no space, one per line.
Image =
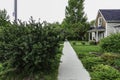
28,50
111,43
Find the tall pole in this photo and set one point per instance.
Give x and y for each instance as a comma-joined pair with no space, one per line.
15,10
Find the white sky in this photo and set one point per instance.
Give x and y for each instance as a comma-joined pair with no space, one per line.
92,7
54,10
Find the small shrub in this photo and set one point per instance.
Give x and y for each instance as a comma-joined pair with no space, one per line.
83,55
74,43
83,42
92,42
104,72
89,62
110,58
111,43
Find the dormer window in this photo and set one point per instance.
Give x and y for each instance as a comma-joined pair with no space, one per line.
100,21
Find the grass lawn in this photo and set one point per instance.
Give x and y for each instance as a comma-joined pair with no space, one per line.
84,49
101,66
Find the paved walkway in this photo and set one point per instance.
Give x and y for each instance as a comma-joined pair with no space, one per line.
71,67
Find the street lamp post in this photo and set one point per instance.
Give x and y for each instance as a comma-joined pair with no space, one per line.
15,10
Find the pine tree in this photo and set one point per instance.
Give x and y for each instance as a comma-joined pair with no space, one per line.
76,19
75,11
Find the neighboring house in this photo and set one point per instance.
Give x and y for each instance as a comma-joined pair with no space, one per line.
107,22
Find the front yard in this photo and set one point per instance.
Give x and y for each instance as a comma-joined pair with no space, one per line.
101,66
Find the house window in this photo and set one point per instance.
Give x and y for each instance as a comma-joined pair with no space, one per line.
100,21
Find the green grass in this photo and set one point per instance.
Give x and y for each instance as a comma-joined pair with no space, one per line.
90,61
84,49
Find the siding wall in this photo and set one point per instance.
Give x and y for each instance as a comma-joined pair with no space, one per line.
103,21
111,29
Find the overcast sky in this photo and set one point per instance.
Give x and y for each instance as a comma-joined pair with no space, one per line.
54,10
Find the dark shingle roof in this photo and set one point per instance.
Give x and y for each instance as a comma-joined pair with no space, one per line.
111,15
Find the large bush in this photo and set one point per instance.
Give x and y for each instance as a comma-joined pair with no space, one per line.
28,50
104,72
111,43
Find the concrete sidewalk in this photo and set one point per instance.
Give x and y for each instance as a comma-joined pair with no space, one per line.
71,67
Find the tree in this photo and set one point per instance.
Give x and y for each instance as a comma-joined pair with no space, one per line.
3,15
75,12
4,18
76,20
92,23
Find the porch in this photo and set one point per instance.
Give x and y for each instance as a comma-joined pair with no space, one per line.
96,33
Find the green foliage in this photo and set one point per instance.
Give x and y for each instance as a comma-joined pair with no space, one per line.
111,43
1,67
4,18
92,42
111,59
84,50
57,28
75,11
3,15
74,43
94,62
83,55
92,23
104,72
76,21
89,62
83,42
29,50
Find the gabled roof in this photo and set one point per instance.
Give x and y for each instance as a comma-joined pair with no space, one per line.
111,15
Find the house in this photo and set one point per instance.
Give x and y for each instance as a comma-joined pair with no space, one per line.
107,22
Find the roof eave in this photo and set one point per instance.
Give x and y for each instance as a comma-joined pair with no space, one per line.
94,30
113,21
102,15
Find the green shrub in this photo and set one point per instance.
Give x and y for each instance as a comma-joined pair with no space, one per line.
92,42
117,79
104,72
110,58
83,42
74,43
111,43
83,55
1,67
28,50
117,64
89,62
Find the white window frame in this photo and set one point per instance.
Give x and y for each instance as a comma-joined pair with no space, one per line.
100,21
